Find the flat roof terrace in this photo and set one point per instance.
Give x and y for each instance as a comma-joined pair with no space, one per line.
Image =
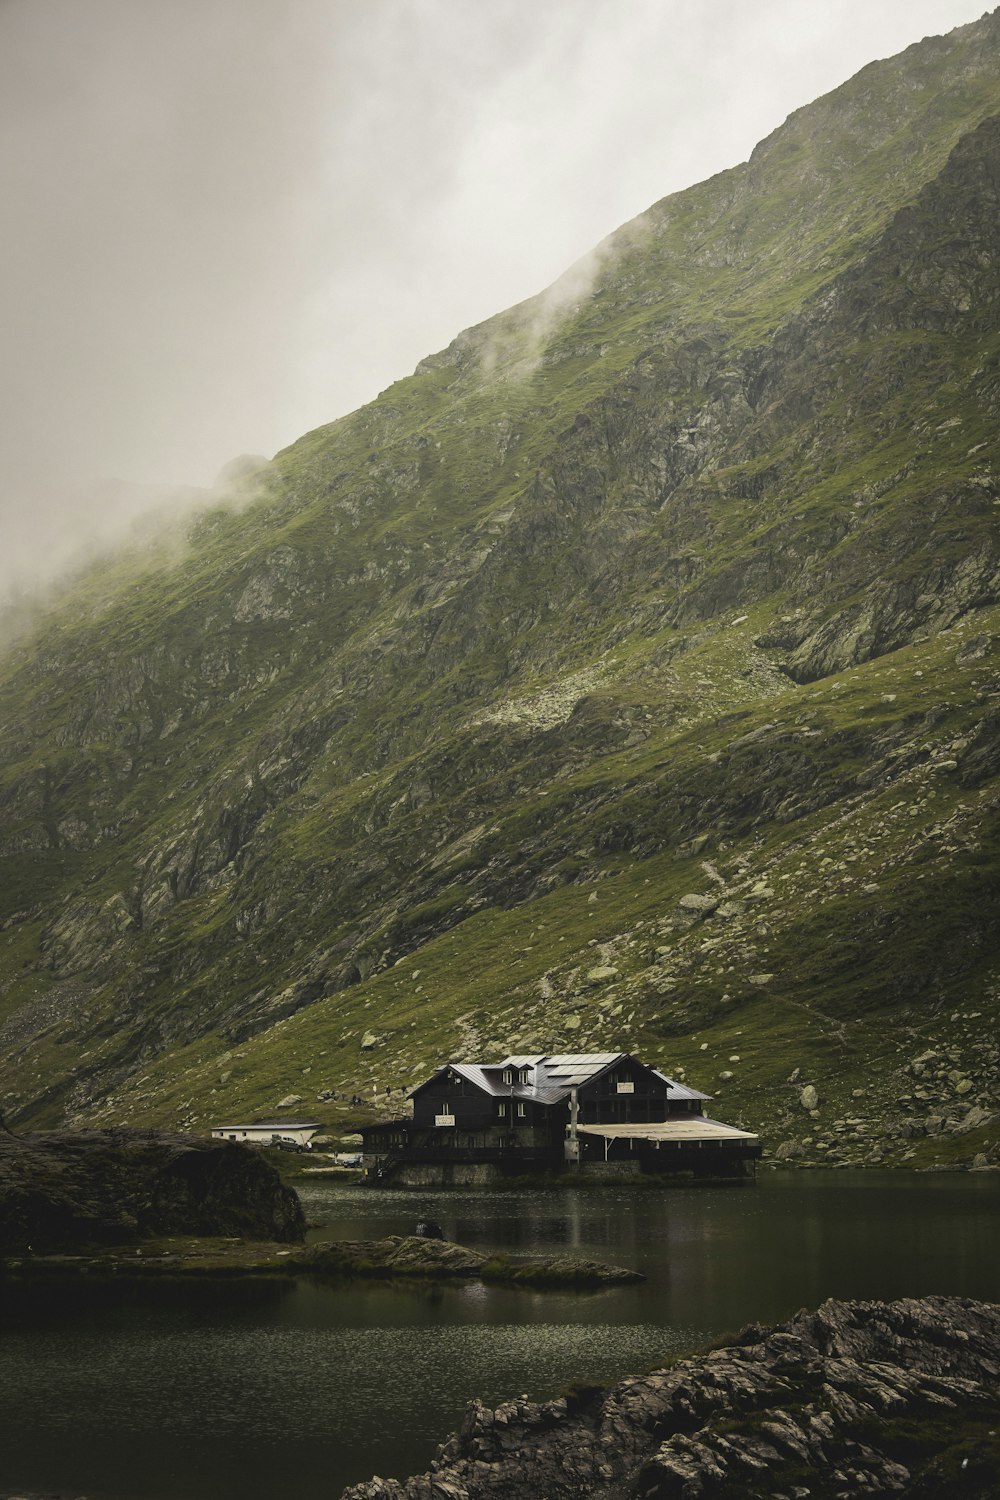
683,1132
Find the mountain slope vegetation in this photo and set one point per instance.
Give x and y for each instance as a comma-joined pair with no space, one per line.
626,676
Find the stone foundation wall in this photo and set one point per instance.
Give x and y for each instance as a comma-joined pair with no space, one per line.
445,1174
612,1170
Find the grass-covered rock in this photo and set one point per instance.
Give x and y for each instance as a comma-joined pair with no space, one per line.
394,1258
70,1190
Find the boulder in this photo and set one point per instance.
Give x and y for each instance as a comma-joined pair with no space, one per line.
976,1119
602,974
808,1097
974,649
698,906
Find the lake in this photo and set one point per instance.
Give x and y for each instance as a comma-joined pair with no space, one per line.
248,1390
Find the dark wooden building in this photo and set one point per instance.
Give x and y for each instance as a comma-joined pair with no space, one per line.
603,1112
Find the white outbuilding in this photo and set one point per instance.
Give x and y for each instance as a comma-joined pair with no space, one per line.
270,1132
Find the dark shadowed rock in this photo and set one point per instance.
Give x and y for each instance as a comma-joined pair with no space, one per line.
68,1188
858,1398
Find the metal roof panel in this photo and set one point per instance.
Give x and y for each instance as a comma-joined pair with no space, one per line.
677,1090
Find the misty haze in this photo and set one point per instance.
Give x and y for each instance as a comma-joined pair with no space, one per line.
227,224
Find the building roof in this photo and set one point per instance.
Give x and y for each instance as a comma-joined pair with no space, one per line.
553,1075
695,1128
273,1125
677,1090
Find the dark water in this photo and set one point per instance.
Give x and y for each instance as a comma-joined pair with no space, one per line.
255,1390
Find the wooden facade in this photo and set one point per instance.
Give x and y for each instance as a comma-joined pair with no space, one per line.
544,1113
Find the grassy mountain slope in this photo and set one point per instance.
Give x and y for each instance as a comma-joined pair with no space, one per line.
626,676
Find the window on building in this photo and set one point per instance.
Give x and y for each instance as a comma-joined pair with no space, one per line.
508,1076
522,1109
501,1108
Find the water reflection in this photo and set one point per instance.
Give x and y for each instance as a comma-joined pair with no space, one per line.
231,1390
101,1303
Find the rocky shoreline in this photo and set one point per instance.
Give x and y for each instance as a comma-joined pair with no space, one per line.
857,1398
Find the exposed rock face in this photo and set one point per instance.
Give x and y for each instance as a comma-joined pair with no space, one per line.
67,1189
858,1398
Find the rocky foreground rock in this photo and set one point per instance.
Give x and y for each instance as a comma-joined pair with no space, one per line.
66,1189
858,1398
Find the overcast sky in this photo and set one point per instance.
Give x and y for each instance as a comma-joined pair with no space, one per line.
228,221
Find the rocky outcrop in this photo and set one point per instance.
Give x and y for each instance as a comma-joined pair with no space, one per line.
412,1255
858,1398
66,1189
396,1255
395,1258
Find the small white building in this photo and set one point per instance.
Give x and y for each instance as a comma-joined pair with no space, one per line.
269,1132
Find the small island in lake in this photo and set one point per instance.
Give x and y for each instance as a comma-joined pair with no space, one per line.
144,1204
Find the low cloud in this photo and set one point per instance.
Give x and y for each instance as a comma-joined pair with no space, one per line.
228,221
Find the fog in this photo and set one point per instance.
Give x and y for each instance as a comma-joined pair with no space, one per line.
228,221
